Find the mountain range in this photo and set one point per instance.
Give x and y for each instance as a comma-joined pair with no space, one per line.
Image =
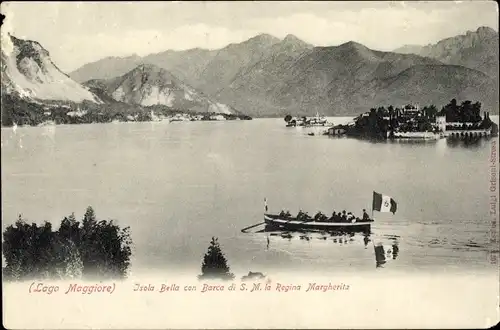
476,50
28,73
267,76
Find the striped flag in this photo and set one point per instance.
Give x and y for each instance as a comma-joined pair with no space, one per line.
385,253
384,203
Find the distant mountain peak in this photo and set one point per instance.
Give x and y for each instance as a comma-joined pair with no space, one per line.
486,31
353,47
291,39
264,38
353,44
28,47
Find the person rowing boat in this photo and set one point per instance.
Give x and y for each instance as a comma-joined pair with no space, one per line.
285,214
366,217
303,216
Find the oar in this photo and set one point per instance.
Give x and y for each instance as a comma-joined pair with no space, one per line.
252,226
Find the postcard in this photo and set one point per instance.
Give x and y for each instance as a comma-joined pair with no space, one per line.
240,165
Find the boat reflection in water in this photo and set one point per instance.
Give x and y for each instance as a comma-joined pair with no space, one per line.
385,253
386,248
340,237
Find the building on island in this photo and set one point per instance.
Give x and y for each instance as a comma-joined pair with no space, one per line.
336,131
410,111
217,117
441,123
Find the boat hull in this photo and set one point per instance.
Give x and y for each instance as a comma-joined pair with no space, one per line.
292,224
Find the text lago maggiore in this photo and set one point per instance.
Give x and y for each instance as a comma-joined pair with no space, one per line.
100,288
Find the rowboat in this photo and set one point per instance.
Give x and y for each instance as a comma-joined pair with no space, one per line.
291,223
284,221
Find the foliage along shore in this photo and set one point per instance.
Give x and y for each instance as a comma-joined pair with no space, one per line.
88,249
19,111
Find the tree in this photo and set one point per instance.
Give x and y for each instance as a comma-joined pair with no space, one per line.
29,250
451,111
70,263
214,264
476,112
109,250
453,104
105,248
70,229
94,249
465,112
430,112
381,112
89,218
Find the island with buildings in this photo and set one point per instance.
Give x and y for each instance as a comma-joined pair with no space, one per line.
454,120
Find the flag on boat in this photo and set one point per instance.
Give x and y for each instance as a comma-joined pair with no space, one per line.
384,203
265,203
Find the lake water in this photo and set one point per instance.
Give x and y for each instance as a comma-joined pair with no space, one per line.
178,184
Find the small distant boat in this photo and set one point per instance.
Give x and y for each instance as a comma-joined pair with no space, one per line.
310,134
307,122
317,121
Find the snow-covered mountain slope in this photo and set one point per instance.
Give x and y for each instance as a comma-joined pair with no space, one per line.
28,71
148,85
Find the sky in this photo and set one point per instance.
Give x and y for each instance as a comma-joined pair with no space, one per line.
76,33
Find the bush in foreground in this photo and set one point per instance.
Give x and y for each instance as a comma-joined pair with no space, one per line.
92,248
214,264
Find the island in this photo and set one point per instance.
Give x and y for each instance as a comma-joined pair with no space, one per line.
409,121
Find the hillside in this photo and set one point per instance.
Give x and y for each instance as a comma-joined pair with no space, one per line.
28,71
475,49
230,60
329,80
148,85
432,84
106,68
187,65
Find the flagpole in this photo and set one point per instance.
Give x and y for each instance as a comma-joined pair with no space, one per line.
372,204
